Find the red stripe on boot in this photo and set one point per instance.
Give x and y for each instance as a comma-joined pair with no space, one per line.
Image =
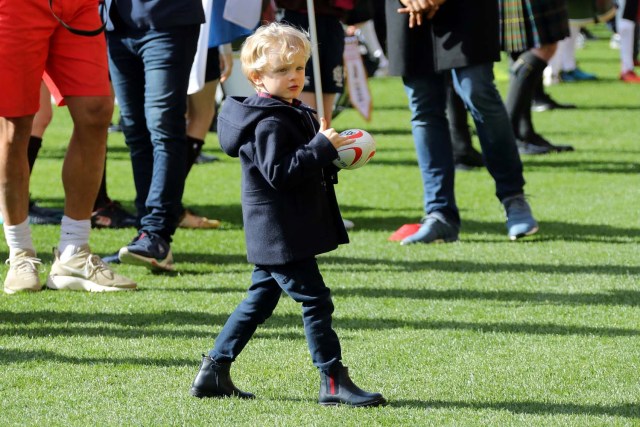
332,385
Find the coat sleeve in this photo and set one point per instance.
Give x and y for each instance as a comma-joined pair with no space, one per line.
283,167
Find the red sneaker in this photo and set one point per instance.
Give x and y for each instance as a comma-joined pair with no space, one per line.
630,77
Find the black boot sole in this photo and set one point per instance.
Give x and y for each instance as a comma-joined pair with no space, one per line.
377,402
200,395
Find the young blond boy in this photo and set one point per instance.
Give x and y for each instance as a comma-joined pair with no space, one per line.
289,210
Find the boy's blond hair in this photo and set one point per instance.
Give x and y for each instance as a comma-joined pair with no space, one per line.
281,39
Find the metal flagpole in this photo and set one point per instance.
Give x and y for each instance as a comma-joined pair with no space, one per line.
315,56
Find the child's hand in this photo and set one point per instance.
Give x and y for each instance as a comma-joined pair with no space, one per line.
336,139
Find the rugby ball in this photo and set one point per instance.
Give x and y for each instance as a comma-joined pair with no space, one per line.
358,153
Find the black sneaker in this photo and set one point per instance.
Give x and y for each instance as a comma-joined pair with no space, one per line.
206,158
113,215
148,250
111,259
44,216
114,258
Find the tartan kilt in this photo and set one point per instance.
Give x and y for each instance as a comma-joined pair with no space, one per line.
525,24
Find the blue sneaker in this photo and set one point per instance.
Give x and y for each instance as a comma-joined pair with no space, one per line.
148,250
520,221
576,75
434,229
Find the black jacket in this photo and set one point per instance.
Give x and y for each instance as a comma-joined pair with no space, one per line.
289,205
462,33
156,14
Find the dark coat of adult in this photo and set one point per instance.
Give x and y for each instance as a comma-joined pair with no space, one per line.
155,14
462,33
289,205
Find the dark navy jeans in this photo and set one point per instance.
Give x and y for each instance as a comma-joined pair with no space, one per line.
150,74
427,101
302,281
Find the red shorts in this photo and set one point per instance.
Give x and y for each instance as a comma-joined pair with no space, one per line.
33,42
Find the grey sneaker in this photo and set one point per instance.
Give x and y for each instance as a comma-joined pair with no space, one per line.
520,220
434,229
23,273
85,271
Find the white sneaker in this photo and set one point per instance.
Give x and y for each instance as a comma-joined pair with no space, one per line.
348,225
85,271
23,273
614,42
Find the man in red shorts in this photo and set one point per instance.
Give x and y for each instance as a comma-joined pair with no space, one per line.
36,42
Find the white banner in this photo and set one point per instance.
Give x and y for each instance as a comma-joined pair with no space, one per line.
357,83
245,13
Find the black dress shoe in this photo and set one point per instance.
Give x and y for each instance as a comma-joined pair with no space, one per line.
467,160
547,103
540,141
526,147
536,144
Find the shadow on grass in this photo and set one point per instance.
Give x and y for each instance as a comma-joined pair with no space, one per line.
175,324
549,230
614,298
386,265
26,356
608,107
550,162
623,298
627,410
587,166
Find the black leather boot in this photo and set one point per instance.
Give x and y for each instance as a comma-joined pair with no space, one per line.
214,380
337,388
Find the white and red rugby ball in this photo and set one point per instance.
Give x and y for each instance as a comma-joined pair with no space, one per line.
358,153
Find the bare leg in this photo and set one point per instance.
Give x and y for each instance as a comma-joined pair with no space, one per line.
45,113
84,162
201,107
14,168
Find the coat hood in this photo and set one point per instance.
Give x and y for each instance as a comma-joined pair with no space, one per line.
240,115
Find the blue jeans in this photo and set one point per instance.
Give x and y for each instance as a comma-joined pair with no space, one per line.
150,74
302,281
427,101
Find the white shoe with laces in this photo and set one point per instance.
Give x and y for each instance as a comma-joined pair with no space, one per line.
85,271
23,273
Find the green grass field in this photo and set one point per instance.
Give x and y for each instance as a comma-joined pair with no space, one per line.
544,331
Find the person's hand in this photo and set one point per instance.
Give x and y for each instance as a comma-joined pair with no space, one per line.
416,8
226,65
435,6
334,137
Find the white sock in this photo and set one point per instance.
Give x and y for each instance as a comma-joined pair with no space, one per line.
569,54
554,66
18,237
626,30
73,234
